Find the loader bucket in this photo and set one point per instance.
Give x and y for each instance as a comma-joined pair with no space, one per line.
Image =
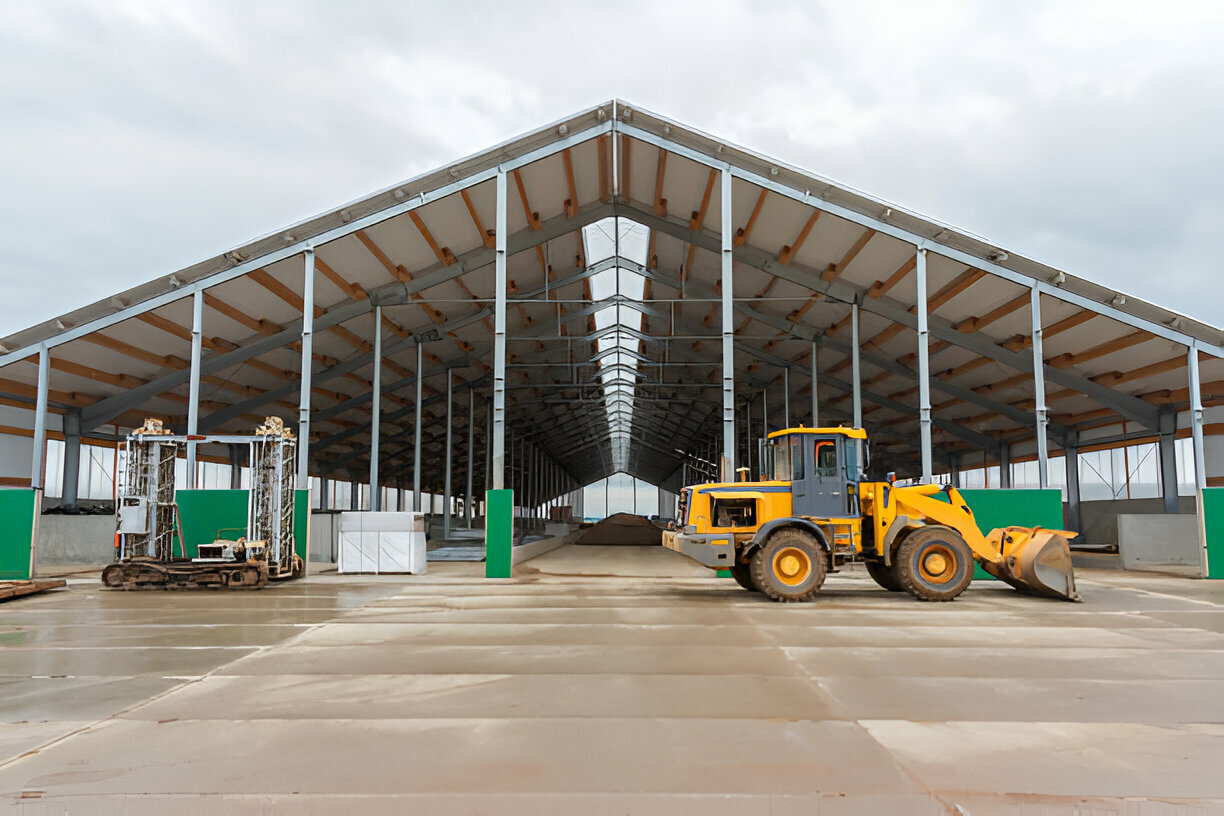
1033,560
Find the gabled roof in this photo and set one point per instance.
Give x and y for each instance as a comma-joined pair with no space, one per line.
807,247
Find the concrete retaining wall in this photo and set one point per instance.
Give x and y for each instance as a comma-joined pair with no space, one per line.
323,545
1099,519
526,552
75,541
1155,541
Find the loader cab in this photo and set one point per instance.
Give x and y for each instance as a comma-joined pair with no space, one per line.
823,467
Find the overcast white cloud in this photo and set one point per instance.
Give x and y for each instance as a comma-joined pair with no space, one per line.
141,137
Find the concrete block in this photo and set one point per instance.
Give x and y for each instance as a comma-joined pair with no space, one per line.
1148,541
75,540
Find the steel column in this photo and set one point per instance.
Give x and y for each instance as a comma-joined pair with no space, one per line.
815,384
1168,470
40,418
728,329
924,368
193,389
786,398
856,372
1196,419
450,428
324,492
1039,396
1005,480
416,429
303,444
376,412
471,456
235,457
1071,453
72,457
499,339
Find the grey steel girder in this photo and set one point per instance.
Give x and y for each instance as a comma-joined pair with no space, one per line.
1125,405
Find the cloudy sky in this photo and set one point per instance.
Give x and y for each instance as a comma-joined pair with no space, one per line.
141,137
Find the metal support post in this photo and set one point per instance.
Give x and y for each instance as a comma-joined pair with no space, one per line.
1196,420
856,372
446,484
499,339
324,492
764,414
235,457
728,330
303,445
1071,452
924,369
40,418
1039,396
193,389
376,413
786,398
1168,460
1005,465
416,429
72,457
471,457
815,384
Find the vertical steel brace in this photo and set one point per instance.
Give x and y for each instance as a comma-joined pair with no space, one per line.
303,446
924,368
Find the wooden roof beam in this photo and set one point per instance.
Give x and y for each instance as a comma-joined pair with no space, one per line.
571,203
533,217
745,232
790,250
697,219
487,236
836,269
660,203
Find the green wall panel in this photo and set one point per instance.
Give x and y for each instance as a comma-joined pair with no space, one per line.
210,514
301,524
17,532
1213,530
499,533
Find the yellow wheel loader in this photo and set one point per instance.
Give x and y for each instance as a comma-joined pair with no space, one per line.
816,512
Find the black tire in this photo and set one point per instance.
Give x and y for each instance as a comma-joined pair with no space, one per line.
934,564
884,574
790,567
742,573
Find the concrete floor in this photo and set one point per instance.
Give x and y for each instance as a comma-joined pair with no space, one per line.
611,680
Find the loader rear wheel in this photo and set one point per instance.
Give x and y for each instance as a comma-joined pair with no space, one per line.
742,573
934,564
884,574
790,567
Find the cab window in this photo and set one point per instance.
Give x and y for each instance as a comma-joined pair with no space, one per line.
826,460
797,458
781,454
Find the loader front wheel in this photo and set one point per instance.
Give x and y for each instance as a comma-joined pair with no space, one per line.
742,573
934,564
884,574
790,567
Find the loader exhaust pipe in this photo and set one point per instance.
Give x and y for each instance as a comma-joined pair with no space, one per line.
1033,560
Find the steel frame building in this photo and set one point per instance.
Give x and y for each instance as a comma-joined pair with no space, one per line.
766,288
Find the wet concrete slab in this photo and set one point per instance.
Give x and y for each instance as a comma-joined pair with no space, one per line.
613,680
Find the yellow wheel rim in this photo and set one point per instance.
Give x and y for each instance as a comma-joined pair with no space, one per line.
792,566
937,564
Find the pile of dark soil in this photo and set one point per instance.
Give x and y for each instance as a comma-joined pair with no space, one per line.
620,529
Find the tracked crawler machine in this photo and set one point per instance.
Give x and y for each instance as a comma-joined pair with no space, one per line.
149,528
816,512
